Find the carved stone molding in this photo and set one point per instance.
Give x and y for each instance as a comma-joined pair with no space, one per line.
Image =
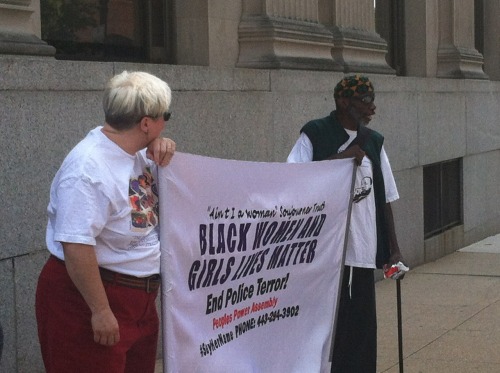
460,62
457,56
18,30
273,42
25,3
359,51
24,44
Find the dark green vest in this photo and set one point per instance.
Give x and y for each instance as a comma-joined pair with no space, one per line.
327,135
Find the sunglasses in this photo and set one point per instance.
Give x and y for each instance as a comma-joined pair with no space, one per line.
166,116
366,99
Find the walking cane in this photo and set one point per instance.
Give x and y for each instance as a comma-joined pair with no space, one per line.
397,272
400,324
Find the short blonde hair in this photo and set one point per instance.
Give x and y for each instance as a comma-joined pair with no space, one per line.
129,97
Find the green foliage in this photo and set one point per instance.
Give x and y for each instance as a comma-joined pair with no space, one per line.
61,19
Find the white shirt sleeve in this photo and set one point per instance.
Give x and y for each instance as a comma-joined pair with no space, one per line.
302,151
391,191
81,211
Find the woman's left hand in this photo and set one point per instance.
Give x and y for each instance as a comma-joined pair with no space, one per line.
161,150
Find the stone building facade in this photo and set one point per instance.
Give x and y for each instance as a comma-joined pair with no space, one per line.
245,76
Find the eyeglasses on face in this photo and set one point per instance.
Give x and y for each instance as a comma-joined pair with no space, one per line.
366,99
166,116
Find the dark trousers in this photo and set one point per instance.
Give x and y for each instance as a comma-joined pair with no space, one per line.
355,346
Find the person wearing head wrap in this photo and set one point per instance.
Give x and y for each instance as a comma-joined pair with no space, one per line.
353,86
372,241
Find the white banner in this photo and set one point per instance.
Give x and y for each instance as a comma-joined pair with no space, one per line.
251,260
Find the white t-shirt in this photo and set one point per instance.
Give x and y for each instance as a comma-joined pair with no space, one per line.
362,240
104,197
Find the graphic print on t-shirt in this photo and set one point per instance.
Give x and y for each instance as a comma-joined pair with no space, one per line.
364,190
143,198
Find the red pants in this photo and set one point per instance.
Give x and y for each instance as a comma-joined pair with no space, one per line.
65,331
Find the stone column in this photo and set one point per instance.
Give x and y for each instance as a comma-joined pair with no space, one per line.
457,56
421,37
20,29
356,45
491,39
206,32
283,34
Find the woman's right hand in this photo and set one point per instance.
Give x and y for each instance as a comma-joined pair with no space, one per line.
105,327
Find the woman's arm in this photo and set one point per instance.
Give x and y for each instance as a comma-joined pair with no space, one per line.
81,264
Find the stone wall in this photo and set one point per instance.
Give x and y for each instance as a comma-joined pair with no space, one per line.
47,106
